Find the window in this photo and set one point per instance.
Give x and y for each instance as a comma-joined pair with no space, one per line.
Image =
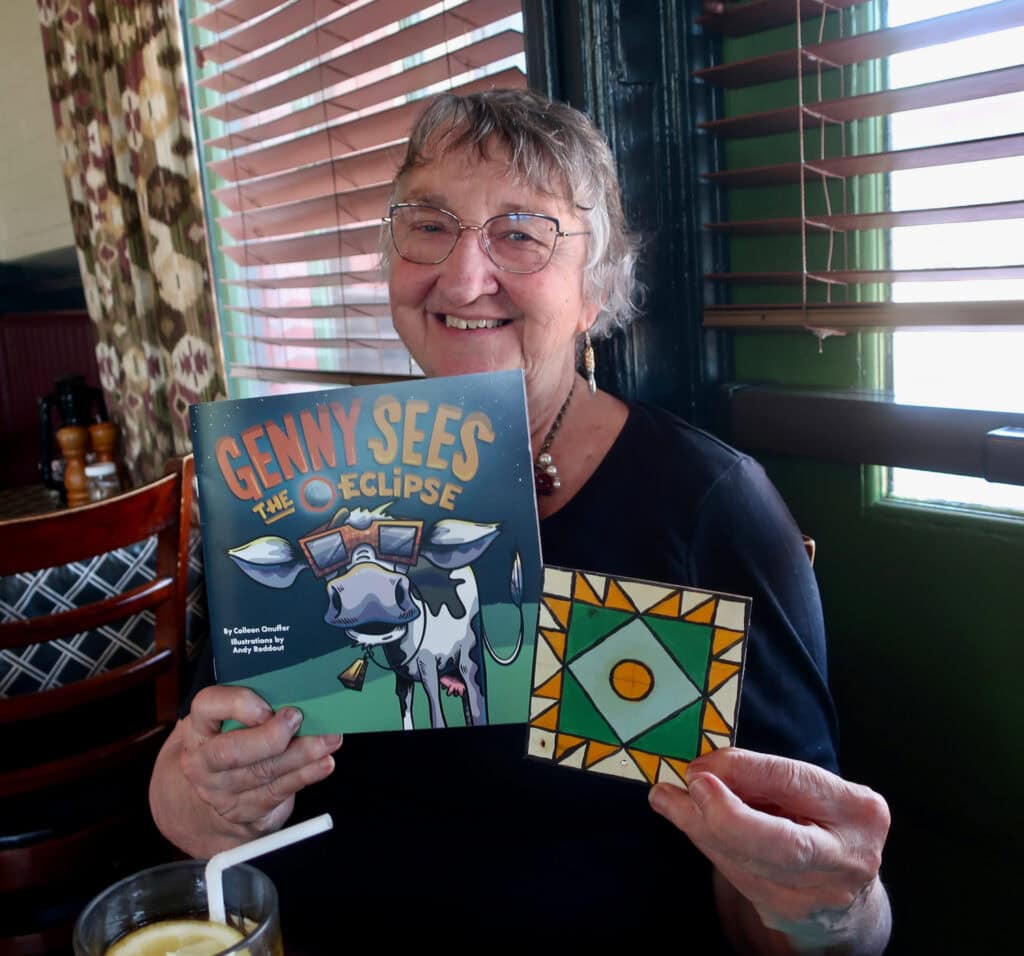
866,146
965,369
303,108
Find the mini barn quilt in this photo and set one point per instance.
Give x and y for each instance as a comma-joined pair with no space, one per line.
634,679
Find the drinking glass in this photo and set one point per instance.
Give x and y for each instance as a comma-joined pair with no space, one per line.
178,891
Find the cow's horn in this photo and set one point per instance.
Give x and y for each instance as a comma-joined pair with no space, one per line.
339,518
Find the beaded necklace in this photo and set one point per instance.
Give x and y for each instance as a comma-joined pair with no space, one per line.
545,474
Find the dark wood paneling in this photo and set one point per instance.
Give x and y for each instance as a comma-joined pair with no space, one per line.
36,349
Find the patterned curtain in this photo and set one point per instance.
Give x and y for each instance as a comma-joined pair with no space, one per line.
117,81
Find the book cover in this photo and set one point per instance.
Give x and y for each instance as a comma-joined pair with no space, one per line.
634,678
372,554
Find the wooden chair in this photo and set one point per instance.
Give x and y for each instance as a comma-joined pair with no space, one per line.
74,815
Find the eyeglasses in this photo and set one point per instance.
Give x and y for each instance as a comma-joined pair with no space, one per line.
520,242
329,550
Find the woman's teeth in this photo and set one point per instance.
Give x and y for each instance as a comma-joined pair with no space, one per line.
453,322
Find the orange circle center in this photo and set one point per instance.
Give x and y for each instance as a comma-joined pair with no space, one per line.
632,680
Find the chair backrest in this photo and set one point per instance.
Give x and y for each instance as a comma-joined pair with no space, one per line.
55,741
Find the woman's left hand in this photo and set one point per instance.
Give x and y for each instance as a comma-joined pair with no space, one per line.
800,845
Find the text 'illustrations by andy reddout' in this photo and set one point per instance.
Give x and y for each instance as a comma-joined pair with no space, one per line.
390,497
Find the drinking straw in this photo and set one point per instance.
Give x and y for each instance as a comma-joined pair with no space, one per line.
219,862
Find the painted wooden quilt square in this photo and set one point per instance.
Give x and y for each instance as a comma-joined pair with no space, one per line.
634,678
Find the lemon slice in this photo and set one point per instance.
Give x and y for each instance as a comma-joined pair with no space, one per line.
179,937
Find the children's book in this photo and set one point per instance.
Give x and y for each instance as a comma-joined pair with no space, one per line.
633,678
372,554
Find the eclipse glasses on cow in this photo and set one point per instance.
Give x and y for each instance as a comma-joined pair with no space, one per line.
392,540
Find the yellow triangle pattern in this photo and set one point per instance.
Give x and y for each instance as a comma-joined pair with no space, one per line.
548,720
552,687
574,758
584,593
719,673
691,599
703,613
679,766
598,751
557,641
615,597
559,608
724,638
669,607
713,720
566,742
538,705
648,763
706,746
667,775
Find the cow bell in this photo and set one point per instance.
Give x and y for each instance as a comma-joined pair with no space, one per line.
354,675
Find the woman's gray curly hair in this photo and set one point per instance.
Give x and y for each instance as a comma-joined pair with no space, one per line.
552,147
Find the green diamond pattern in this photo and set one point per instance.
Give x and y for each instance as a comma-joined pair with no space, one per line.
577,715
589,624
688,643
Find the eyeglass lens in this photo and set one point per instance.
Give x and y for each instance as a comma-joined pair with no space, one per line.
517,242
392,542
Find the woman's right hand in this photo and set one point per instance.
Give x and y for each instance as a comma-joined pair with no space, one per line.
211,790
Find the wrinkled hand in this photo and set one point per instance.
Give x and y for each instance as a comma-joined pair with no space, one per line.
249,776
802,845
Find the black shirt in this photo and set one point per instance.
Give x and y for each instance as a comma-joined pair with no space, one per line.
440,834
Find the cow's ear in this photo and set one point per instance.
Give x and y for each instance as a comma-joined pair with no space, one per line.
454,544
269,560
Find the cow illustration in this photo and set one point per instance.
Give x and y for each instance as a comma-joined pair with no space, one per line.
393,586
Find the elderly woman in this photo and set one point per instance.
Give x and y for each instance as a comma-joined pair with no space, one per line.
509,250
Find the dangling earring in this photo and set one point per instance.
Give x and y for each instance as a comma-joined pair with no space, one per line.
588,362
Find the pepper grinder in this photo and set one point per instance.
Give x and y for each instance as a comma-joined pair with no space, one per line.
103,437
73,441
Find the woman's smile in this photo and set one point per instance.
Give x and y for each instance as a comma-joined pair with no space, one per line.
466,314
467,323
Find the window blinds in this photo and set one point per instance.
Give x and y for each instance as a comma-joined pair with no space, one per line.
304,107
808,160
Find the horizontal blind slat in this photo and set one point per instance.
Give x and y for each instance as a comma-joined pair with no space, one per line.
317,312
340,209
363,133
354,171
471,57
233,13
866,276
849,108
851,222
332,244
742,19
945,154
867,315
977,21
292,18
326,280
442,28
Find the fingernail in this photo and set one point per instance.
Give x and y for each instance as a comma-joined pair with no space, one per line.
700,792
332,741
292,717
658,799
